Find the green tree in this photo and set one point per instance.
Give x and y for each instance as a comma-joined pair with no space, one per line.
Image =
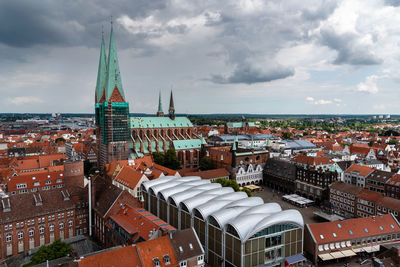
232,183
205,164
60,139
88,168
171,160
53,251
286,135
371,143
159,158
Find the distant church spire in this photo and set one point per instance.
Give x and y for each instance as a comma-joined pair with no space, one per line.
171,110
114,89
101,73
160,112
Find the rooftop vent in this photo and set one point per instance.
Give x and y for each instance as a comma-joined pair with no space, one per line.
190,246
180,249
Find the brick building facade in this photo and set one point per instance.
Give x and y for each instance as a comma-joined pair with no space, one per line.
31,220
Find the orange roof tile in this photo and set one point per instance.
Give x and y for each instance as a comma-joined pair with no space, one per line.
337,231
363,170
156,248
120,257
129,177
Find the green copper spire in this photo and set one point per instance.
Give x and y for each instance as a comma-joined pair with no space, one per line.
113,75
234,143
101,73
160,112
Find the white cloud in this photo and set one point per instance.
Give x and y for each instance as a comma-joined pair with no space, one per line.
370,85
337,100
23,100
322,102
312,100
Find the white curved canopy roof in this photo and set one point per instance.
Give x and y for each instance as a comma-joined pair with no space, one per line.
208,195
250,224
165,193
234,209
170,184
160,180
218,203
178,197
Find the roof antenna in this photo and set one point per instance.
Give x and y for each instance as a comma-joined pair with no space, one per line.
102,31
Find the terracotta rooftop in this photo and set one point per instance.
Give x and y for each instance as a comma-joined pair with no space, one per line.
129,177
345,187
157,248
362,170
337,231
125,256
209,174
312,160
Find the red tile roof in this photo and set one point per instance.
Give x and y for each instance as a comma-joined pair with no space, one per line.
31,178
209,174
140,222
324,232
129,177
363,170
156,248
120,257
312,160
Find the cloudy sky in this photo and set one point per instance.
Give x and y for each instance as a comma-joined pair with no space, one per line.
238,56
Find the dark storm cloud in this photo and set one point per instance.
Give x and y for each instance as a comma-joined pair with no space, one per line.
250,75
349,49
66,23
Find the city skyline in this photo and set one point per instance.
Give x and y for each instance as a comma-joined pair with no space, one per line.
237,57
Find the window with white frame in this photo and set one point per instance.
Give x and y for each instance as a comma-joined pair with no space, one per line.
8,238
61,224
31,232
41,230
51,228
20,235
70,223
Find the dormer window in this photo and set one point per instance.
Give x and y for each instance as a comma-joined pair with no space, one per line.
156,262
166,259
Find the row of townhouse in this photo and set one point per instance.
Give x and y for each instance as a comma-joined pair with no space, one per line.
352,201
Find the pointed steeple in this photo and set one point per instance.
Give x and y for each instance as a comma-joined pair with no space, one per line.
101,73
171,110
160,112
234,144
114,90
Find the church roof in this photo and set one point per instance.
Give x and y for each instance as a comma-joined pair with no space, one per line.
159,122
187,144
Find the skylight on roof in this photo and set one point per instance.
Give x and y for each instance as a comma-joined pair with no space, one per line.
366,230
334,234
322,237
380,227
351,232
392,226
338,225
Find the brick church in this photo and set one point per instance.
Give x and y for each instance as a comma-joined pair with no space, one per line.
122,137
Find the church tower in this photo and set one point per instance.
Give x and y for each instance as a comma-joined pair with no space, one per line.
160,112
171,110
111,108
